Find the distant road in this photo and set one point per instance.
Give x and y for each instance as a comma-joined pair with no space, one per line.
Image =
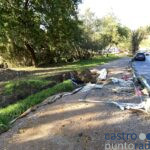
142,68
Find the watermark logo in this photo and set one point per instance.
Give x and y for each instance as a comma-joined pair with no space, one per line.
113,141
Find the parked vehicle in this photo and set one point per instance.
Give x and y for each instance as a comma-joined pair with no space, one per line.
139,57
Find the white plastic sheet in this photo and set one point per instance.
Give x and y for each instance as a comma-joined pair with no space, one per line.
90,86
103,75
124,106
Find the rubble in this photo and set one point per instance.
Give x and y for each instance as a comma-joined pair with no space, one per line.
90,86
125,85
123,89
144,106
147,104
122,83
85,76
81,77
145,92
87,88
88,76
95,71
128,86
124,106
102,76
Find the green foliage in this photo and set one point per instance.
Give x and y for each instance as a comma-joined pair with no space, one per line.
9,113
145,43
104,32
33,32
138,36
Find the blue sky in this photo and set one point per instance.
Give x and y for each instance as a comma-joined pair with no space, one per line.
132,13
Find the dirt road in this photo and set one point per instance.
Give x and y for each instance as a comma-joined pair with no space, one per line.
72,125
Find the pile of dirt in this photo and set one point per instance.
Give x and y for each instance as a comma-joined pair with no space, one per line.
84,76
87,76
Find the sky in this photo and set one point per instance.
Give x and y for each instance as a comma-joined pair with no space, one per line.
132,13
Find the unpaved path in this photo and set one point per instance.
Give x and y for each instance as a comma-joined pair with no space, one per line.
72,125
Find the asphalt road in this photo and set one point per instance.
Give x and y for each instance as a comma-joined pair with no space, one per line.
142,68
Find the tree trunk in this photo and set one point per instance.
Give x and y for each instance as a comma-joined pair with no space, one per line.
26,4
108,51
135,47
31,50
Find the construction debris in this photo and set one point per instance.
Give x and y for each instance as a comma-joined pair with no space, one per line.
123,89
85,76
88,76
122,82
90,86
126,77
87,88
145,92
147,104
124,106
127,85
102,76
144,106
95,71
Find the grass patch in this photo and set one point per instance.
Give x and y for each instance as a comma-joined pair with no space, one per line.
19,86
9,113
84,64
98,60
